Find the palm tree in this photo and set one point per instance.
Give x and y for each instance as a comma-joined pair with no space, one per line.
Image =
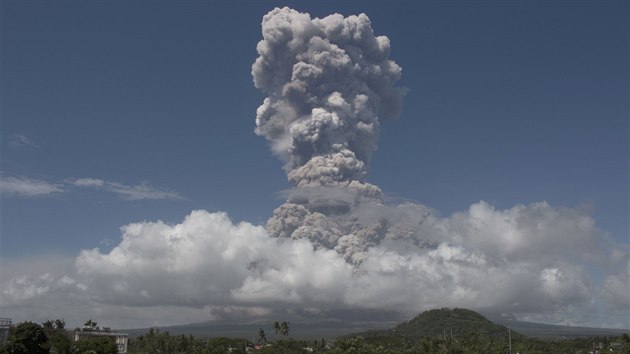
284,328
276,326
60,324
93,326
262,338
48,324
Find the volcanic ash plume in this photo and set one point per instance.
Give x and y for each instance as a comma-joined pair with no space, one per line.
329,83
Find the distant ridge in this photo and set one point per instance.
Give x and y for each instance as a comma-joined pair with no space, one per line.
547,331
436,323
299,329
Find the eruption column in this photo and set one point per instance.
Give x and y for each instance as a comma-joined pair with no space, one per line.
329,84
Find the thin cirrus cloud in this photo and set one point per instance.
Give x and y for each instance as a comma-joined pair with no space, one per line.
20,141
27,187
142,191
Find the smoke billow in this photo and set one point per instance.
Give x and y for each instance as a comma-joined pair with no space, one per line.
329,83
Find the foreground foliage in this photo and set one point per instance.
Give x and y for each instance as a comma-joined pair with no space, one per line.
27,338
163,342
51,337
438,331
155,341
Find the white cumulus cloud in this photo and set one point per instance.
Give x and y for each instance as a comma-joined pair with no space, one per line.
209,263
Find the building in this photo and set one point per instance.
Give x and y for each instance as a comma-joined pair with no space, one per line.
87,332
5,328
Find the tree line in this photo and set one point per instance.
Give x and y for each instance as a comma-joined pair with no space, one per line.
162,342
52,337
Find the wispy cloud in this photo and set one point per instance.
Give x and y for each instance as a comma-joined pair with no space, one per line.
88,182
27,187
142,191
21,140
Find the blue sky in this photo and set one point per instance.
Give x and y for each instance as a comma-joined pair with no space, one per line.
124,112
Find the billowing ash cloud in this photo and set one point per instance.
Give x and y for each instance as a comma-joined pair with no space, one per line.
330,82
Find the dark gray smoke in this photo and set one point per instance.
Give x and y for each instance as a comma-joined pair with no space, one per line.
329,83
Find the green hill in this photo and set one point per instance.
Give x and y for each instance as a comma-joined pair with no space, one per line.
444,323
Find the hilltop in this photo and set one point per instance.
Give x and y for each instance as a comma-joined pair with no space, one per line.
444,323
448,323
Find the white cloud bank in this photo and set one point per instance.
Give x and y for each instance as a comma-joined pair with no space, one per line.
531,260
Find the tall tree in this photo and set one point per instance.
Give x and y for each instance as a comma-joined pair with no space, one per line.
27,338
60,324
91,325
58,339
262,338
48,324
276,326
60,342
284,328
56,324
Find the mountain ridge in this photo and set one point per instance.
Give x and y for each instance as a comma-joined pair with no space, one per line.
316,329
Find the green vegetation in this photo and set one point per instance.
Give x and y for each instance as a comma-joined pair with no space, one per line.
163,342
465,331
450,323
285,346
443,331
96,345
59,341
27,338
444,324
52,337
281,328
262,338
